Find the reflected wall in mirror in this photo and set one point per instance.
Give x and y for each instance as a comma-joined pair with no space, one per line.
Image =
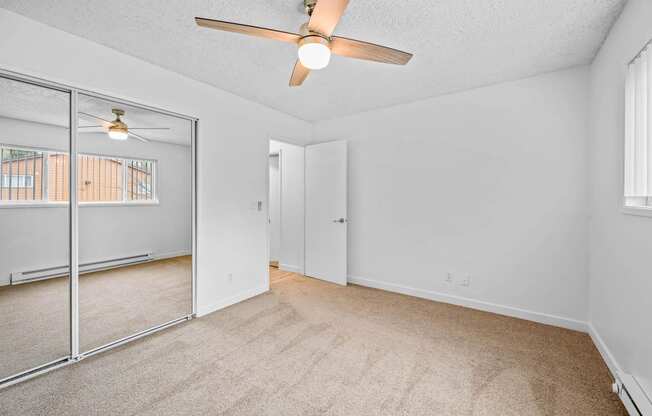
135,190
34,226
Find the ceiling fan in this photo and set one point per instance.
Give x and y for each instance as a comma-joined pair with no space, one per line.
315,39
118,129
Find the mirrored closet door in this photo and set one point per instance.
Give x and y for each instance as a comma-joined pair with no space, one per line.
96,223
134,185
34,226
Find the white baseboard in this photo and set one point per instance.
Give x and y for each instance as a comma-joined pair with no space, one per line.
171,254
634,393
543,318
607,356
290,268
244,295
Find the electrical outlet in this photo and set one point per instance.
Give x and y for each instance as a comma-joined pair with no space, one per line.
230,277
466,281
449,277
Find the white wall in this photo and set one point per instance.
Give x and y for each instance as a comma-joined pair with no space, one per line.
163,229
39,235
490,182
232,145
291,256
621,245
47,227
274,208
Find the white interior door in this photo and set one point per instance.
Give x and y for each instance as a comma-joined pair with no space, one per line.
326,221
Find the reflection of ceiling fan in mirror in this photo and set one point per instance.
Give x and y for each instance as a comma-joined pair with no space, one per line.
118,129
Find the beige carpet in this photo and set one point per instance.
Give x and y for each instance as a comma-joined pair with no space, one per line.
113,304
309,347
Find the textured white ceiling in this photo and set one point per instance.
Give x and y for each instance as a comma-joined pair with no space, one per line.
28,102
458,44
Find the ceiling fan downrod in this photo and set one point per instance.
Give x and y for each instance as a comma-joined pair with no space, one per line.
309,6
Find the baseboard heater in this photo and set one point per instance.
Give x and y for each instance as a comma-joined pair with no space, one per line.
632,395
27,276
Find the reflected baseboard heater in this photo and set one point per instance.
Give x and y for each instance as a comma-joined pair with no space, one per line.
27,276
632,395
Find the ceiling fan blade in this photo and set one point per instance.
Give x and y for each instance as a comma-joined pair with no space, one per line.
325,16
358,49
149,128
95,117
138,136
248,30
299,74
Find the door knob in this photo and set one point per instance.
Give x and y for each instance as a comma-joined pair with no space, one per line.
341,220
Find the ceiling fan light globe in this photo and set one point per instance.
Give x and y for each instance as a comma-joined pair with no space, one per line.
314,52
118,133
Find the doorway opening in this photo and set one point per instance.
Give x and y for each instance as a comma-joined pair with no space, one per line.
285,210
307,211
274,209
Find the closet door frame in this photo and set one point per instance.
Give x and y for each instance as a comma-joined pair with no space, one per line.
75,354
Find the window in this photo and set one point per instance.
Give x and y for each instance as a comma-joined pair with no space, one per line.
100,178
57,184
22,175
638,132
139,180
109,179
18,181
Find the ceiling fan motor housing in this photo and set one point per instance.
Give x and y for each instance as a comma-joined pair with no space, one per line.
118,129
314,38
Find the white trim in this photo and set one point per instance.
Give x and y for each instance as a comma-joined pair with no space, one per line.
604,350
89,204
73,218
540,317
119,203
268,220
193,210
638,211
242,296
31,204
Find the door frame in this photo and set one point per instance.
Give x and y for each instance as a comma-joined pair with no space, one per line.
73,211
268,227
285,190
